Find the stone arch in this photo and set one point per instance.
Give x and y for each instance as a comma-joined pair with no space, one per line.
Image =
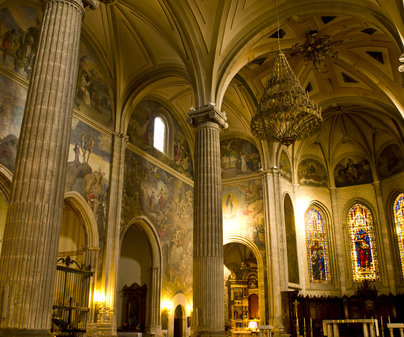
79,205
263,294
153,323
392,234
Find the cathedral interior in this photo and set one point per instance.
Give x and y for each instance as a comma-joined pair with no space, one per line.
136,198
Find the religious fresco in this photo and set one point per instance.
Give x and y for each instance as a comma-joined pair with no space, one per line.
362,243
88,170
285,167
291,241
311,173
141,132
317,246
390,161
243,214
12,103
92,96
20,30
238,157
168,203
353,170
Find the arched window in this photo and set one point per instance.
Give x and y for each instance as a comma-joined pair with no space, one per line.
159,141
399,222
362,242
317,245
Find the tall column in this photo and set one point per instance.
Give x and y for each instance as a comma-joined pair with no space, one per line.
107,324
337,236
154,302
208,286
34,216
275,249
384,252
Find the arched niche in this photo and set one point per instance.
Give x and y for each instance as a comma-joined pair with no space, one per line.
140,262
262,294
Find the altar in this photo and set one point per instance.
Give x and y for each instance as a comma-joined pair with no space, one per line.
370,326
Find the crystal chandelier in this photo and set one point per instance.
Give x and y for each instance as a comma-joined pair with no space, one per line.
285,113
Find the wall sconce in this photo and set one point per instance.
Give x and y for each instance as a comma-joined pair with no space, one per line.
99,299
166,305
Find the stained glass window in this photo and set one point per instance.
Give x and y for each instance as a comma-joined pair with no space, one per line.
317,246
399,221
362,242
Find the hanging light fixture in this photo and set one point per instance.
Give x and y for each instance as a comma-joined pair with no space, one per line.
285,113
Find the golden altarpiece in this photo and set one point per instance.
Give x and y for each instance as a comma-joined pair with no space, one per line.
243,295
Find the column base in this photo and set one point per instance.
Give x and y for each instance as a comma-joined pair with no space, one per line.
9,332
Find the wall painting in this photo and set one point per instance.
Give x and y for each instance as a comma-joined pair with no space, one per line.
311,173
20,30
285,167
88,171
141,131
353,170
12,104
390,161
243,214
168,203
92,97
239,157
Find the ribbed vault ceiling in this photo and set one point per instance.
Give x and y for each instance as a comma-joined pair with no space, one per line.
188,53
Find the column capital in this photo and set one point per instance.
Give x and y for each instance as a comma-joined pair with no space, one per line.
377,183
272,171
209,114
80,4
121,135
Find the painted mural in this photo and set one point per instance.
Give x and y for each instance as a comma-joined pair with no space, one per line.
12,103
141,131
168,202
291,241
238,157
312,173
243,214
20,29
390,161
88,170
92,97
285,167
353,170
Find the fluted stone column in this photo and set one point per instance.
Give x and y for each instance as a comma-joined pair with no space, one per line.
208,286
154,302
275,249
107,324
34,216
384,252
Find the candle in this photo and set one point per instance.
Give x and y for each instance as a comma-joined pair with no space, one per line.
389,319
311,323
